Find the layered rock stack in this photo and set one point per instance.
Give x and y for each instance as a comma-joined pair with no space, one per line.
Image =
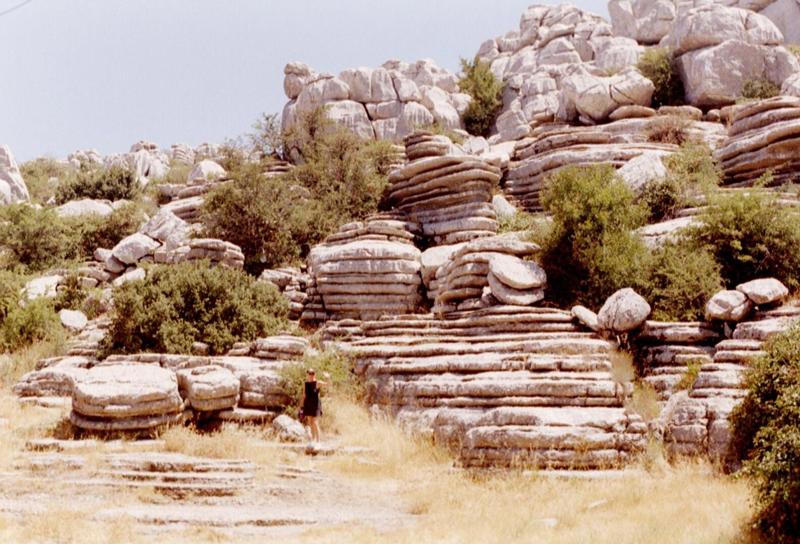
293,284
509,384
144,391
448,195
697,421
365,270
484,272
555,146
126,397
763,136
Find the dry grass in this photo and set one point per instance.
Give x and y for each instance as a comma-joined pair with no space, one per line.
13,366
23,423
644,401
653,502
668,129
394,454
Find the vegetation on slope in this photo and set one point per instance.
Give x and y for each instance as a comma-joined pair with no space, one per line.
486,91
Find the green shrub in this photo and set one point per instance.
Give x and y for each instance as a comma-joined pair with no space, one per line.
266,140
35,239
682,279
37,174
25,325
590,251
332,367
263,216
751,236
486,91
177,305
766,435
691,172
658,65
520,221
115,183
71,295
10,285
758,89
95,231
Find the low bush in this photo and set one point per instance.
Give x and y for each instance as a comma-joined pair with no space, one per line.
690,376
751,236
25,325
332,367
794,49
437,128
71,295
691,173
35,239
38,173
520,221
177,305
486,91
766,435
590,250
115,183
96,231
758,89
682,278
668,129
263,216
658,65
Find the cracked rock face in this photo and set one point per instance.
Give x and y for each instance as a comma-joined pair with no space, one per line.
624,311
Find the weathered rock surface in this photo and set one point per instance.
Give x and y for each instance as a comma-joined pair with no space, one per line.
764,291
12,186
624,311
728,306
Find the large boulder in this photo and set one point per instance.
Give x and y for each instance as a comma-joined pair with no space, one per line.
516,273
714,24
132,248
596,96
205,171
288,429
209,388
646,21
714,76
126,396
728,306
12,186
785,14
764,291
86,206
352,116
624,311
641,170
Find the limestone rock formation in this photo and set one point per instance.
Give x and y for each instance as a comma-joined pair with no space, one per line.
448,195
763,136
208,388
12,186
719,48
764,291
728,306
125,397
646,21
387,102
624,311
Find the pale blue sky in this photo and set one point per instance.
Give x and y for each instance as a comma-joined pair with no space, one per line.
103,74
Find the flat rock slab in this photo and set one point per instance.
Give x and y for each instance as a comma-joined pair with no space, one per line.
764,291
516,273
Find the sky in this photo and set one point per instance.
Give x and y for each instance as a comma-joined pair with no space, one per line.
104,74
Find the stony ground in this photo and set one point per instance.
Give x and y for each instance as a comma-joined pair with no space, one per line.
240,485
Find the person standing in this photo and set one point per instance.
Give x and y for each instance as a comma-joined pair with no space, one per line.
312,405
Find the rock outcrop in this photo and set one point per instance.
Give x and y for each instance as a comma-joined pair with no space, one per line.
388,102
12,186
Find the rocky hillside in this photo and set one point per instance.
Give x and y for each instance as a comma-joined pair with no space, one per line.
511,295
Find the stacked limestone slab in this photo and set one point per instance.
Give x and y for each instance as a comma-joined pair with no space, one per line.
448,195
126,397
141,392
293,284
364,270
483,272
666,349
509,384
764,136
697,421
555,146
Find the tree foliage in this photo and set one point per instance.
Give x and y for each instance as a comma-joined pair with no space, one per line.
486,91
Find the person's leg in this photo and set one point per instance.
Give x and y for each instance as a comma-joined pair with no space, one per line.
312,422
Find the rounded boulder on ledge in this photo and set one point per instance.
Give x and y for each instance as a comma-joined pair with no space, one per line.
624,311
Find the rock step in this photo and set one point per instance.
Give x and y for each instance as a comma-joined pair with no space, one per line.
228,479
484,363
548,459
176,462
563,345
